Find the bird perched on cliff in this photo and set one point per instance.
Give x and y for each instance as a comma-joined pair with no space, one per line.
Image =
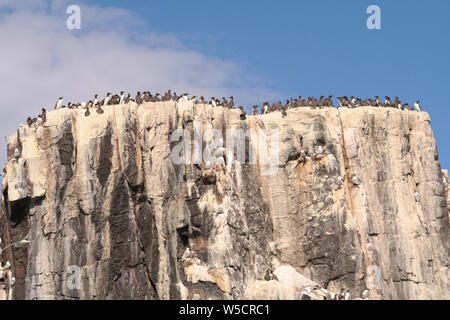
340,181
186,254
283,113
407,106
122,97
355,180
128,99
59,103
417,196
265,108
139,99
12,281
107,99
213,102
378,101
6,266
16,153
100,110
95,102
347,295
417,106
255,110
39,121
270,275
231,103
365,294
302,153
87,113
319,150
29,121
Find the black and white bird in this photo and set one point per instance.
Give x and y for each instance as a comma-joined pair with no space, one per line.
95,102
417,106
29,121
417,196
16,153
59,103
39,121
139,99
186,254
107,99
122,97
355,180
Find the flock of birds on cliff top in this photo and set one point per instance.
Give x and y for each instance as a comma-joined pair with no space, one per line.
146,96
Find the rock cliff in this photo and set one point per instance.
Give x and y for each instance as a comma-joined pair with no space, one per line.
107,214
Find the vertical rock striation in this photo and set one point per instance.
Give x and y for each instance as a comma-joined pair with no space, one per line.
102,196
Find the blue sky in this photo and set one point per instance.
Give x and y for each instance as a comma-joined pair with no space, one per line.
323,47
257,50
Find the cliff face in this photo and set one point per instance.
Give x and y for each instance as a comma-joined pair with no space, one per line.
101,195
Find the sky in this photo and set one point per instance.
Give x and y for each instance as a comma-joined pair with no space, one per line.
254,50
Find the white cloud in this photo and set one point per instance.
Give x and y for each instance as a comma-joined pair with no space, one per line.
41,60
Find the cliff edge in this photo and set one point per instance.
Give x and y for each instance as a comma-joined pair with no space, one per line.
100,198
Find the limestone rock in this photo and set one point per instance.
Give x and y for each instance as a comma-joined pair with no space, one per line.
104,203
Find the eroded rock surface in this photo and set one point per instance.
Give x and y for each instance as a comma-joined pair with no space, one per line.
101,194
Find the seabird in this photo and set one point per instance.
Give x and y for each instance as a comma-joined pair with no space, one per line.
139,99
7,265
39,121
100,110
16,153
122,97
355,181
44,115
365,294
147,96
95,100
59,103
255,110
347,295
283,113
231,103
267,275
417,106
213,102
87,113
186,254
303,153
29,121
13,281
339,181
265,108
417,196
107,99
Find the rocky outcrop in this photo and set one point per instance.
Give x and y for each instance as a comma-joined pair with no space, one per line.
109,215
